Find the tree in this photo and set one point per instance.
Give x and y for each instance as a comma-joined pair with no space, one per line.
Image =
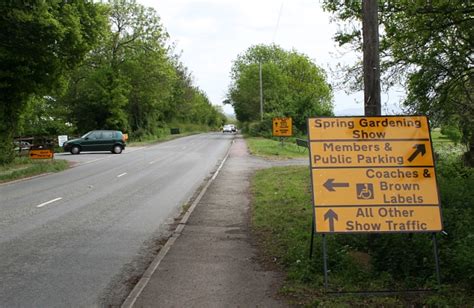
126,82
428,47
292,85
132,81
40,42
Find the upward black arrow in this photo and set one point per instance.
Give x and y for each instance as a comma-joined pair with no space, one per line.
331,215
419,149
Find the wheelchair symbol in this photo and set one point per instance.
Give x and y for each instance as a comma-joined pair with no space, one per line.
365,191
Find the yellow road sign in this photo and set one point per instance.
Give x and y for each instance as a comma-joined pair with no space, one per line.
368,128
374,186
282,127
373,174
371,153
378,219
41,154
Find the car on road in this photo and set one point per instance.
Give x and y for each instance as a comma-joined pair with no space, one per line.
97,140
229,128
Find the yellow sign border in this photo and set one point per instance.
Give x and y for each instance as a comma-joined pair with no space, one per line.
385,128
276,132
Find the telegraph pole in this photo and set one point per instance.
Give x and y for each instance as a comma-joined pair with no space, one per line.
261,89
370,35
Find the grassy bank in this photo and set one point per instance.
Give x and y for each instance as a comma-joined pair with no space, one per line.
273,149
282,217
24,167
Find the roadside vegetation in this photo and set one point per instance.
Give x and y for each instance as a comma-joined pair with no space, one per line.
23,167
72,67
275,149
282,217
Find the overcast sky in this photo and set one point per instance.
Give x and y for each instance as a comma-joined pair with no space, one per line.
211,33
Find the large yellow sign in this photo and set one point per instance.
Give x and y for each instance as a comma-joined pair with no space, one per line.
282,127
373,174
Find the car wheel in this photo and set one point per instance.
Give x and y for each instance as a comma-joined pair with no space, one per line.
75,150
117,149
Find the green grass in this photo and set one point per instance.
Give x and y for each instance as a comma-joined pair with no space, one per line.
25,167
444,146
281,220
270,148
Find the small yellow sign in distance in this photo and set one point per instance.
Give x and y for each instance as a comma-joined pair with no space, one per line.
373,174
41,154
282,127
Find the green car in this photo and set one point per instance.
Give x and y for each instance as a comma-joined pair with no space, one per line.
97,140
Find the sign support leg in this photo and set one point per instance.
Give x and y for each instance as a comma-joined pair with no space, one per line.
325,263
312,241
435,250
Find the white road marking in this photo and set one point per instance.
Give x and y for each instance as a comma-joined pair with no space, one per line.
120,175
48,202
152,162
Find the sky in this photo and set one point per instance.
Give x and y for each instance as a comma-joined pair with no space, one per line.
210,34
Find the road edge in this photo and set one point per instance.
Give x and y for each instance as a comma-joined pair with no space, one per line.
142,283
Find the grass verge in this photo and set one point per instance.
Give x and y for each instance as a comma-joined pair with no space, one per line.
281,220
273,149
23,167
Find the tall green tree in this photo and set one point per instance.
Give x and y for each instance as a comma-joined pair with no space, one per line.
292,85
428,47
127,78
40,42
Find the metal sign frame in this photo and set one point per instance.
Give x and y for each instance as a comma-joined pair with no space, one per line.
371,138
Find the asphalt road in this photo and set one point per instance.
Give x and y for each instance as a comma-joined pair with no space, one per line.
82,237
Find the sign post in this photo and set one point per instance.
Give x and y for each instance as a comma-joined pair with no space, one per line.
373,175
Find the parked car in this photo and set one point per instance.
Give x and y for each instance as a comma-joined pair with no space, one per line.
21,147
97,140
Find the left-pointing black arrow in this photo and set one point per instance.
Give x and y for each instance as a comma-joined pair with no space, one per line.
331,215
329,184
420,149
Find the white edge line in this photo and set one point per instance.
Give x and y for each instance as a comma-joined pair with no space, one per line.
142,283
48,202
120,175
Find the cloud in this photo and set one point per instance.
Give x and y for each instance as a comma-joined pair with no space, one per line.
212,33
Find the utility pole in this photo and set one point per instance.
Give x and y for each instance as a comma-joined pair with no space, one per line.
370,35
261,90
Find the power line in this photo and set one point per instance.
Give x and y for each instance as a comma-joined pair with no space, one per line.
278,22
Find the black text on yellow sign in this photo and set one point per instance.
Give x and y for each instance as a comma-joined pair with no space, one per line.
378,219
371,153
374,186
282,127
373,174
368,128
41,154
